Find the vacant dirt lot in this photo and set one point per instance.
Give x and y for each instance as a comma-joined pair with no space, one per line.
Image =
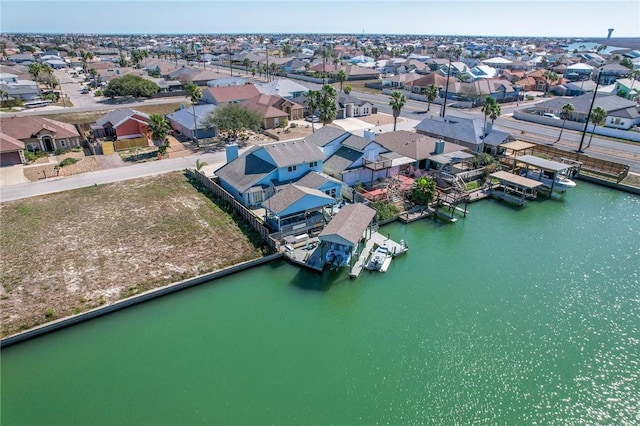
69,252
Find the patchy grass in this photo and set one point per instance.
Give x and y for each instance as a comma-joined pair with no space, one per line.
92,116
69,252
632,179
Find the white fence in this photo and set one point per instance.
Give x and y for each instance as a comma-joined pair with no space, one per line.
572,125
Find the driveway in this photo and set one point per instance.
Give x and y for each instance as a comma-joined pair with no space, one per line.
12,175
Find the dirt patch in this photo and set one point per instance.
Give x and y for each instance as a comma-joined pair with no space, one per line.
48,169
65,253
379,119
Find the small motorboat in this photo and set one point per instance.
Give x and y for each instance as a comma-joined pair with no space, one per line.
380,259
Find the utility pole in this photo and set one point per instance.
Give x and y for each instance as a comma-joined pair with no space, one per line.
230,67
446,89
584,131
266,71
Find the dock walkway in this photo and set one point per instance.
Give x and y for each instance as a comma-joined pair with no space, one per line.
376,240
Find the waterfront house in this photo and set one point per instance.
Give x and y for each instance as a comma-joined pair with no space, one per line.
41,134
183,123
470,133
418,147
254,176
354,159
296,209
343,239
123,123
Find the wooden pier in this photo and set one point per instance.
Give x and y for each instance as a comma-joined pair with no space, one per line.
376,240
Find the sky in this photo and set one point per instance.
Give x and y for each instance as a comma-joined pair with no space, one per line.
540,18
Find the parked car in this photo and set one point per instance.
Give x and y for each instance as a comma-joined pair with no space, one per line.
549,115
312,118
84,91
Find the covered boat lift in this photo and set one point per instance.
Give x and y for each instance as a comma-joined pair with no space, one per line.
513,188
551,168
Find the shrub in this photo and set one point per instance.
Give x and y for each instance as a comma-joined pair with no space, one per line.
98,92
68,161
385,211
49,313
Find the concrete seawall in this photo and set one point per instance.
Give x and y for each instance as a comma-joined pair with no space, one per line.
610,184
133,300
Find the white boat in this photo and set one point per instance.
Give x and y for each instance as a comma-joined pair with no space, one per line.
380,259
560,184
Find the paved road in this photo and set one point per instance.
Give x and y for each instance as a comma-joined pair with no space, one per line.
607,149
25,190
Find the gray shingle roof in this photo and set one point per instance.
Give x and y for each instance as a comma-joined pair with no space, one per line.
246,170
350,223
291,153
413,145
184,116
581,103
315,180
461,129
356,142
325,135
117,116
292,194
341,160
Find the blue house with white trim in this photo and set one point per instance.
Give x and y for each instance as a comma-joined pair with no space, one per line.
257,174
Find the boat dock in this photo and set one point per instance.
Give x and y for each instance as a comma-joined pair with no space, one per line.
376,240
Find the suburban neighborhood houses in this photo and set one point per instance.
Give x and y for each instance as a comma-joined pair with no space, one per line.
309,122
318,212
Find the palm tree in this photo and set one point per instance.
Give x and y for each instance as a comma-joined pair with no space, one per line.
567,109
85,57
48,71
327,104
159,129
246,63
488,109
341,76
431,93
195,94
598,117
273,68
495,112
312,101
549,77
633,76
396,103
35,69
2,94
